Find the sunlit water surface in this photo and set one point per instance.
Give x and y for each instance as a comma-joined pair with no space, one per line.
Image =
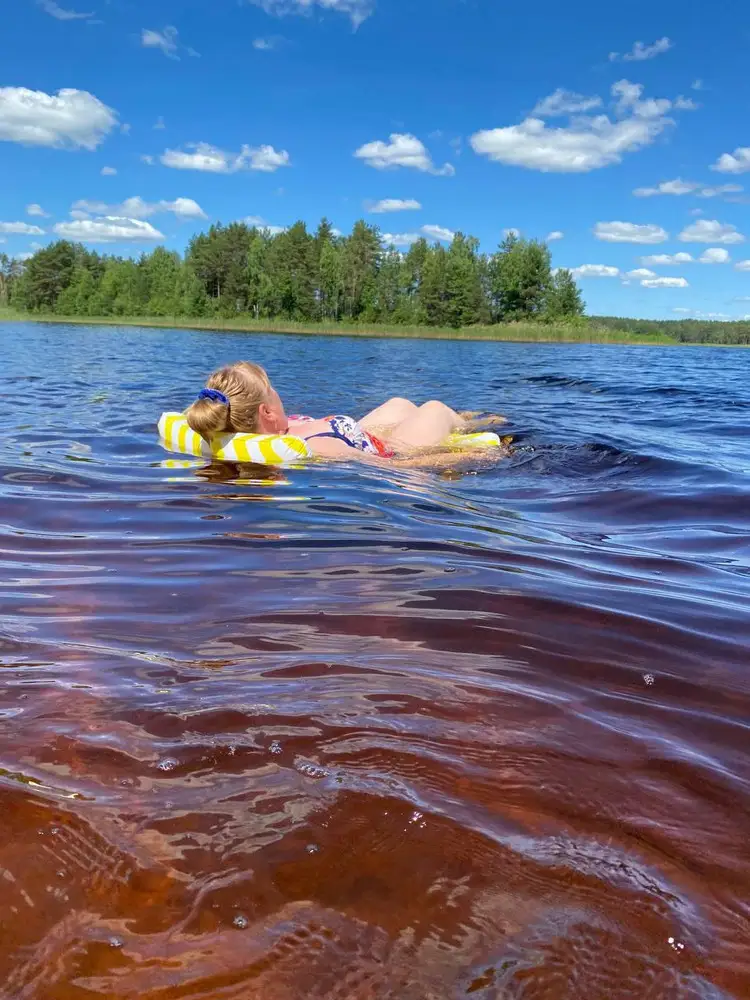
362,733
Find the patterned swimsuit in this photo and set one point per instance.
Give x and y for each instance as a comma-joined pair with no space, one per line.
347,429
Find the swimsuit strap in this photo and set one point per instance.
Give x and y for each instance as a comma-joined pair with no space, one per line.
347,429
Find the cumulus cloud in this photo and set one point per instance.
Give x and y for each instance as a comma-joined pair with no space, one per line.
629,232
666,259
356,10
639,273
711,231
70,119
394,205
555,235
565,102
399,239
108,230
742,265
137,208
588,142
20,229
734,163
595,271
216,161
665,283
438,233
165,40
37,210
55,10
641,52
108,172
402,150
268,44
680,187
715,255
259,223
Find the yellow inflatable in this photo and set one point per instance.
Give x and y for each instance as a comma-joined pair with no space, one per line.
268,449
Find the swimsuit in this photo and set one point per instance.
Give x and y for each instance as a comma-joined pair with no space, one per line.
347,429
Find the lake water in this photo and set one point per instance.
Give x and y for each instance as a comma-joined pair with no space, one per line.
352,733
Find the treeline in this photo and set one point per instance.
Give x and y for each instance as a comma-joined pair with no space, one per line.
684,331
237,270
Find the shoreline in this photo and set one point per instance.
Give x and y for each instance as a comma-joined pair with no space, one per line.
508,333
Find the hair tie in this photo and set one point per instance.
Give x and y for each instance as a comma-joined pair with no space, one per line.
214,395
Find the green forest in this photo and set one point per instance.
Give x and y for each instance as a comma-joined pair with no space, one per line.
237,272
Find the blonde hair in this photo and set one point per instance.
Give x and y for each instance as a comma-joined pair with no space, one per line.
246,386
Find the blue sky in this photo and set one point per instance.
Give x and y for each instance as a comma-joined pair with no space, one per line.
622,129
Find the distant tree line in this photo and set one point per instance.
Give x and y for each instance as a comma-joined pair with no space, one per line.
297,275
684,331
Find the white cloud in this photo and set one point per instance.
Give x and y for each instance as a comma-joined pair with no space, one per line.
399,239
586,143
734,163
715,192
565,102
555,235
216,161
20,229
108,172
108,230
665,283
711,231
266,44
714,255
742,265
37,210
438,233
395,205
595,271
629,232
78,214
147,159
697,85
665,259
259,223
679,187
137,208
55,10
71,119
640,273
686,104
676,187
165,40
641,52
159,123
403,150
357,10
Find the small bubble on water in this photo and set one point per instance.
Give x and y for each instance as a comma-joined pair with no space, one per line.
275,747
312,848
241,922
168,764
116,942
649,679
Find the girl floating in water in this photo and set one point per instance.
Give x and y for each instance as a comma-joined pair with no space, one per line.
240,399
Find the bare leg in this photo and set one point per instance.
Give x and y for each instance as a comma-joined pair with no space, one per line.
431,425
395,411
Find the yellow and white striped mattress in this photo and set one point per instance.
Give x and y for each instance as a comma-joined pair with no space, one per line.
264,449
